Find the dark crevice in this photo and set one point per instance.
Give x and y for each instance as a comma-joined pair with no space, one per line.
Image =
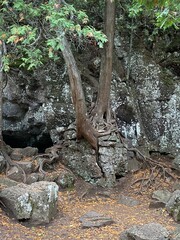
118,176
156,153
22,140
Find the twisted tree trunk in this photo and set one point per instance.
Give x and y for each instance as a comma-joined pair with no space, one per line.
1,86
83,125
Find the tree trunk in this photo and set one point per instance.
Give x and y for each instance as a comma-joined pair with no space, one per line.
102,104
83,125
1,87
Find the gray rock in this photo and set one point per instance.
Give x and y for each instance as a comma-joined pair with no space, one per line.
156,204
112,159
15,174
36,203
162,195
32,178
133,164
151,231
6,182
28,167
175,235
176,163
173,205
148,109
29,151
70,134
19,153
94,219
2,163
81,159
66,179
12,110
16,154
176,186
128,201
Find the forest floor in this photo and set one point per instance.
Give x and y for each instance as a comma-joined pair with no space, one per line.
84,198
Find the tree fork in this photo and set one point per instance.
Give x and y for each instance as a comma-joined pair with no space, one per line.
83,125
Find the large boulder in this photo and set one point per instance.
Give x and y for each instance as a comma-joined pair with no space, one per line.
173,205
35,204
162,195
151,231
81,159
160,198
102,168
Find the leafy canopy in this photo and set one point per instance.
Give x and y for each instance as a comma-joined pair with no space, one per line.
29,30
165,12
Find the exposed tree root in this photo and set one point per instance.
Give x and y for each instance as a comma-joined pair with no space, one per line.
48,158
51,155
9,161
156,169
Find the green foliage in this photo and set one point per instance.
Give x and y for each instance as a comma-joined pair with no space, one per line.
167,18
30,30
165,12
135,9
5,61
31,59
68,20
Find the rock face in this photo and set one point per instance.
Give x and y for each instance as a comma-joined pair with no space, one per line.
112,158
37,107
102,168
81,159
34,105
148,110
35,204
147,106
151,231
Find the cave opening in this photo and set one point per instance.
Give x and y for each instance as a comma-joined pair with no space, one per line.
27,140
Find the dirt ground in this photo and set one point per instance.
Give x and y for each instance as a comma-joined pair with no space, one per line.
84,198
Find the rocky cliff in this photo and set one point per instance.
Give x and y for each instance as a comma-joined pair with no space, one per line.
37,105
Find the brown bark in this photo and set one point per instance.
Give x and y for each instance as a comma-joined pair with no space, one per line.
1,86
83,125
102,105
